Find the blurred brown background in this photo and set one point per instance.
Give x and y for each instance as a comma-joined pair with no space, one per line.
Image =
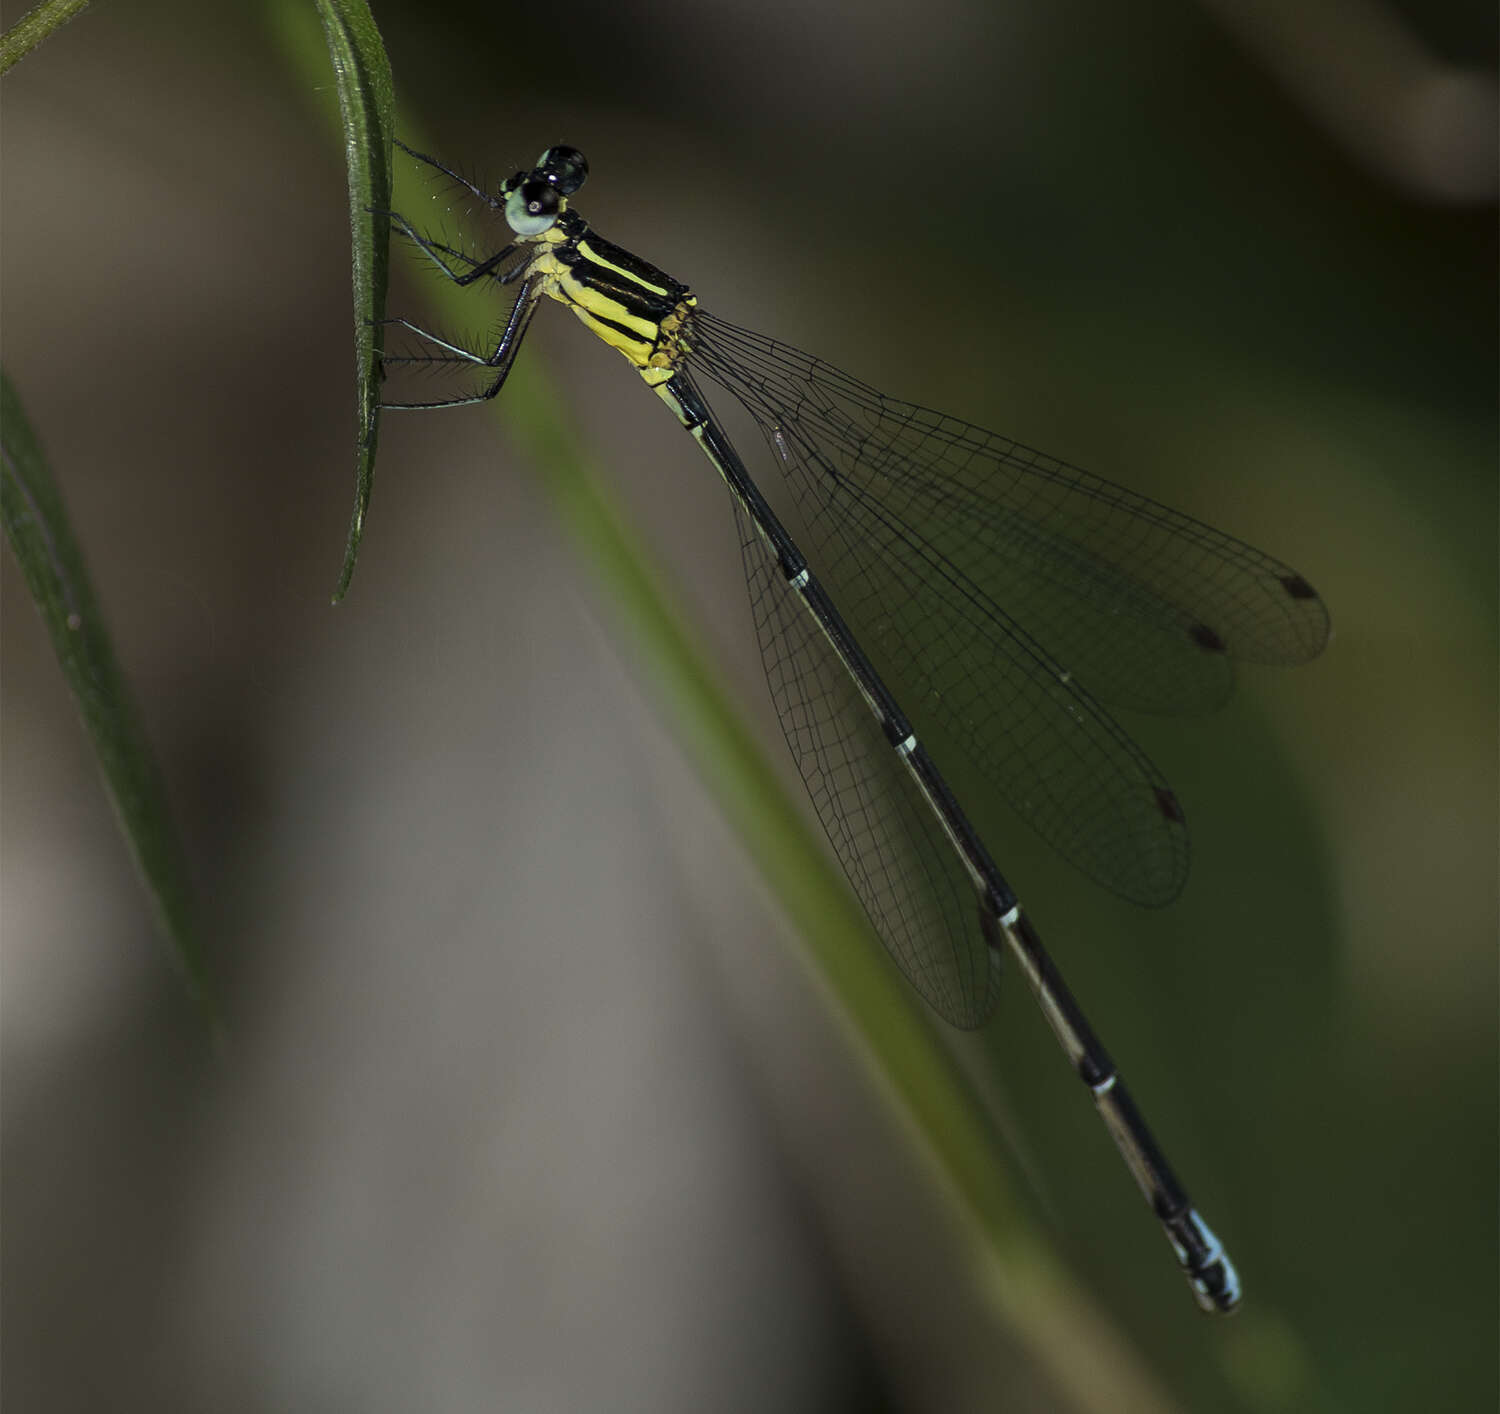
530,1105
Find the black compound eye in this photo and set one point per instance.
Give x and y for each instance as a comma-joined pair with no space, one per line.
565,168
532,207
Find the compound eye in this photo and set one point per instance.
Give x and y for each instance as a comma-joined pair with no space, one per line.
565,168
532,207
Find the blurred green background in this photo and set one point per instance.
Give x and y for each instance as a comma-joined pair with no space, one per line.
528,1108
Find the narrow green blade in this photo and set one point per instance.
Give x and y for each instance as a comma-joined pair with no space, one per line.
37,527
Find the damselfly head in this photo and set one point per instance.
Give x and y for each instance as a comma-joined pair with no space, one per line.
531,205
565,168
535,199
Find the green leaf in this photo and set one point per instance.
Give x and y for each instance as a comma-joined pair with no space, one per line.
362,75
36,525
33,27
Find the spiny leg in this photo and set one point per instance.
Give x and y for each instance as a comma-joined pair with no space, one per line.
452,176
435,250
500,360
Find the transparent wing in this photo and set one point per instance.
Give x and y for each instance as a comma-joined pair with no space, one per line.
1054,753
1141,603
904,870
1100,587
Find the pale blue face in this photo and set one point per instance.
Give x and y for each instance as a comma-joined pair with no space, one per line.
534,200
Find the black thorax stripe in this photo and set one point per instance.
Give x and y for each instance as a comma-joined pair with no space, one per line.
640,289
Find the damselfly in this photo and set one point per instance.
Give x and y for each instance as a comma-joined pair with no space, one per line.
1013,593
